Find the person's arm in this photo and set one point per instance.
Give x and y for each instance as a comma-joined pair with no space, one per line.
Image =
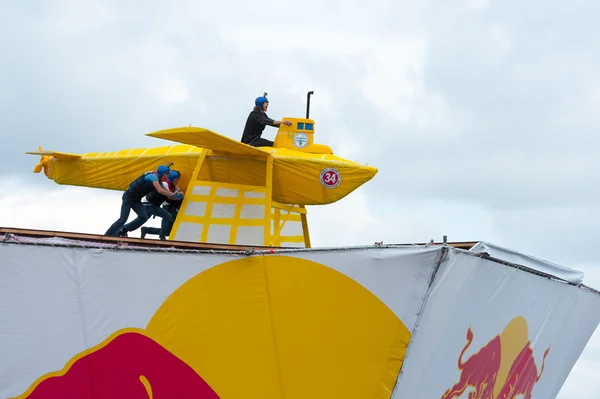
268,121
162,190
178,194
158,187
277,123
263,119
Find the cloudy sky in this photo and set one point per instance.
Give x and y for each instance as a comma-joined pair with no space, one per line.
482,116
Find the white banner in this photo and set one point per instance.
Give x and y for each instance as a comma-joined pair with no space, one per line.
507,255
492,331
131,323
108,323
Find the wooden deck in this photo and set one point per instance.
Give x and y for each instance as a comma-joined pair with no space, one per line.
165,244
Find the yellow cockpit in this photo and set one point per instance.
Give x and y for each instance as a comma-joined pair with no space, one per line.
300,137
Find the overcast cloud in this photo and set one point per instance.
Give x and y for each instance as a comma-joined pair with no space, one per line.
482,116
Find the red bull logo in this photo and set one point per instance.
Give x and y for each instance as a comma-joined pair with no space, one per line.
503,369
229,333
127,365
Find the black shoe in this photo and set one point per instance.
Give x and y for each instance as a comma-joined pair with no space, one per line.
144,232
122,233
163,238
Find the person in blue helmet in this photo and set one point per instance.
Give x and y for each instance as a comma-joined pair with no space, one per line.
170,206
256,122
132,199
168,210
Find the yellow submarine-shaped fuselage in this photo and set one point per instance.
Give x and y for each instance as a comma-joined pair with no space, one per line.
302,172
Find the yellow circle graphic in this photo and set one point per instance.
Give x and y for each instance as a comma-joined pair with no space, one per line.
282,327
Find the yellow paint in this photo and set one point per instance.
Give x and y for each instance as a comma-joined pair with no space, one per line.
282,327
147,386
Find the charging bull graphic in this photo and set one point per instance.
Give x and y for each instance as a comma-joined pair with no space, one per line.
503,369
128,365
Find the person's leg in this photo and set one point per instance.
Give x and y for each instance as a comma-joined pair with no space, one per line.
166,218
142,213
173,213
135,223
114,229
150,230
153,210
260,142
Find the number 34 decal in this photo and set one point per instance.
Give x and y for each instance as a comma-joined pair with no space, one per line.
330,178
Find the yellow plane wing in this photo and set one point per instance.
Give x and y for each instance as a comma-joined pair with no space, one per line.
204,138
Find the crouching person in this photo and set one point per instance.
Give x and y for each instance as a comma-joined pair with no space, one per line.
132,199
167,213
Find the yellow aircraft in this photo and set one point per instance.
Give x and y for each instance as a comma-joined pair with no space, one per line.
234,193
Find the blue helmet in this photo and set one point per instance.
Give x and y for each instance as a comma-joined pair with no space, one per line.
260,101
162,169
174,174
